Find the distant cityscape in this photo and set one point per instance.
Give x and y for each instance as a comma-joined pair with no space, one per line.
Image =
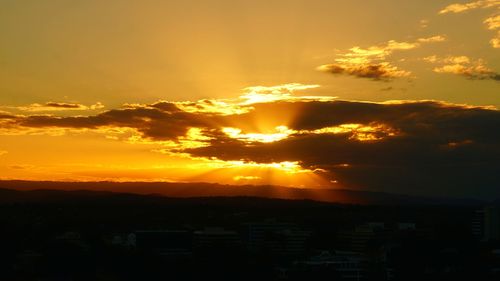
154,238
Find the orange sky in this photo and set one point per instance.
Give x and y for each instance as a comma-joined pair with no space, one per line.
294,93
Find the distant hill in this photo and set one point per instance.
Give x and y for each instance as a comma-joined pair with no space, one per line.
46,191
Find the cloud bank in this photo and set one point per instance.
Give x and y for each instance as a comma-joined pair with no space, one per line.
415,147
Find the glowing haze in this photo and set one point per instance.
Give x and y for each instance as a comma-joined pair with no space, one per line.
397,96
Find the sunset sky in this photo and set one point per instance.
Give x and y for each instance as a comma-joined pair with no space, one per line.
387,95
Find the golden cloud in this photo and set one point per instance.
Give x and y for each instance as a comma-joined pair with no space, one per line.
493,23
460,8
495,42
437,38
464,66
372,62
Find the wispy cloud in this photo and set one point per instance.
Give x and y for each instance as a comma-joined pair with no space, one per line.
461,8
437,38
257,94
3,152
251,95
493,23
424,23
59,106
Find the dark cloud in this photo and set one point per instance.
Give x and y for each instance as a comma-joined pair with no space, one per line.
159,121
59,106
6,115
440,149
375,71
165,106
483,76
63,105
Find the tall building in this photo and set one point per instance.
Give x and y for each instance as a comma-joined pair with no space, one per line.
491,223
478,224
486,223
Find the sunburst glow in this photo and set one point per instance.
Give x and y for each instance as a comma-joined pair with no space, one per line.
282,132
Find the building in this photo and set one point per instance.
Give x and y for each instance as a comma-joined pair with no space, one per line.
491,223
486,223
478,224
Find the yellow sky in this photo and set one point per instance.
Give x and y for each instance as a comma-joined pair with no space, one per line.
85,58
